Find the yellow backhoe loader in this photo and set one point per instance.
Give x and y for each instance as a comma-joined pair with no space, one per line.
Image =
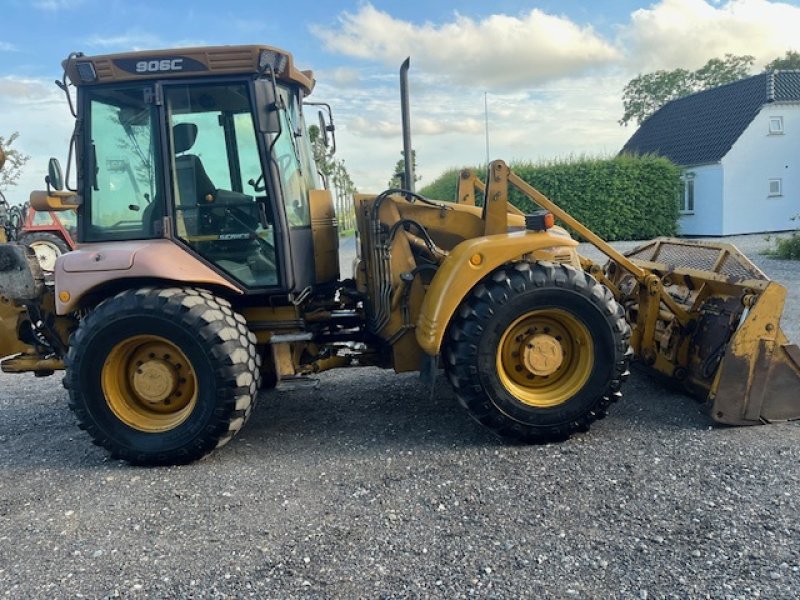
207,268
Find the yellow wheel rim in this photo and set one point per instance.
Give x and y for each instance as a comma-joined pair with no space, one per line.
149,384
545,357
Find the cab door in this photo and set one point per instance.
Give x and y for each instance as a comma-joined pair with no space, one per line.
221,207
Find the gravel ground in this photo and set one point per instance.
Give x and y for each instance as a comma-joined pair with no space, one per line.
368,487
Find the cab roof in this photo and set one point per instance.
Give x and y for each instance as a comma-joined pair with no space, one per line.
185,62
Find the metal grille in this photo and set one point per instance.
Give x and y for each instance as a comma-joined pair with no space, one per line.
733,268
724,259
103,69
230,60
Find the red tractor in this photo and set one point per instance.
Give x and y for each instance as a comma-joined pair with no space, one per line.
49,234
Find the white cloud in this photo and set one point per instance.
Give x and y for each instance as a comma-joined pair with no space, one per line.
135,40
554,85
38,110
557,119
56,5
7,47
15,89
344,76
686,33
500,50
424,126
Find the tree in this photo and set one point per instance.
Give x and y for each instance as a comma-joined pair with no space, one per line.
646,93
791,60
719,71
322,154
15,160
399,171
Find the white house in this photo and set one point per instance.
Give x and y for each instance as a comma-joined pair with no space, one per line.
739,147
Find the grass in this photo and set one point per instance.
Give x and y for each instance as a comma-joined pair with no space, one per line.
787,248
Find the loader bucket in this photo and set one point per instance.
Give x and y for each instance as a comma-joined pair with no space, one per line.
711,321
758,380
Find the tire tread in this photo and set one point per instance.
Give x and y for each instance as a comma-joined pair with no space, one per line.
231,347
465,331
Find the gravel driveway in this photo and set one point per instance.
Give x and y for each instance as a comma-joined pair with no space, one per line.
367,487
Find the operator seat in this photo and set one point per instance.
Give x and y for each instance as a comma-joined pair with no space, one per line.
194,184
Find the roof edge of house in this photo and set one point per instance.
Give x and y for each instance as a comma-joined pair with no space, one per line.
717,87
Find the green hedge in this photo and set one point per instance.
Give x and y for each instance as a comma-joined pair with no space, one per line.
444,186
619,198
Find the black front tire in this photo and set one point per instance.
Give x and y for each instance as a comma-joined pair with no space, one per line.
214,339
477,331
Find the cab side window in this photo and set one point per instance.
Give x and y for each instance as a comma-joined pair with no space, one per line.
121,167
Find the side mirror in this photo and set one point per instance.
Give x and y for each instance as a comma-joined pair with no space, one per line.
55,177
2,159
267,114
323,130
326,127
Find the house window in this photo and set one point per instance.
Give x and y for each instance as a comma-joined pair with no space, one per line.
776,187
686,200
775,125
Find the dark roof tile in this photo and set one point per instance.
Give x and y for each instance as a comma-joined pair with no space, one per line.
702,127
786,86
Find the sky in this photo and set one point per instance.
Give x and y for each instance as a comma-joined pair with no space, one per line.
553,71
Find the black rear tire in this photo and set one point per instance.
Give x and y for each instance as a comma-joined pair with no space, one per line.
476,342
206,331
54,244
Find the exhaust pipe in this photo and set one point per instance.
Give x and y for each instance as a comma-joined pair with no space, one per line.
408,152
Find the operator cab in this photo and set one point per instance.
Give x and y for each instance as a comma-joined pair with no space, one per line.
206,147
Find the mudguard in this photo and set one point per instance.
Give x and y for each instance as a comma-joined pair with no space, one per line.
84,270
474,259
